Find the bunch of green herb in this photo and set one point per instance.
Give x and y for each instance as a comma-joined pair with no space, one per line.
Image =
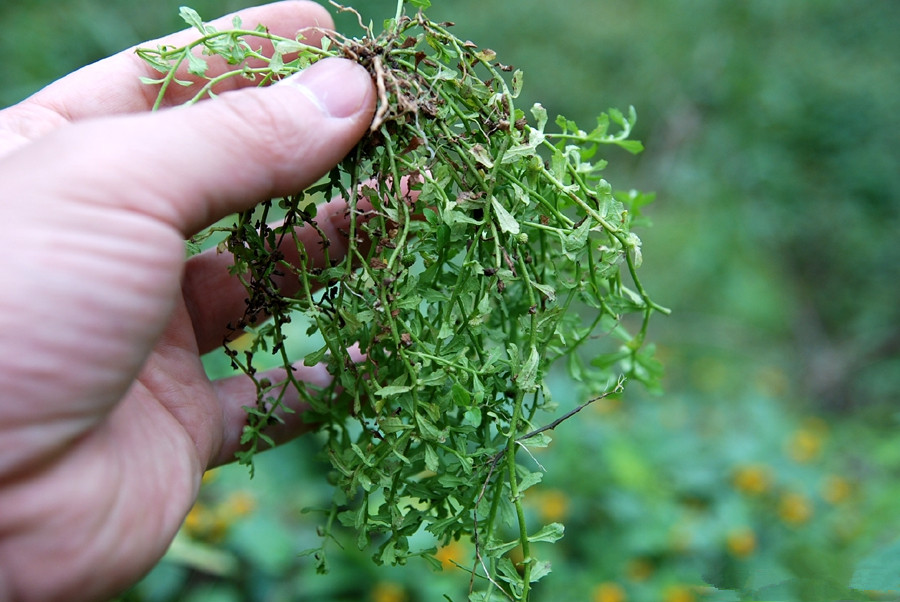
482,249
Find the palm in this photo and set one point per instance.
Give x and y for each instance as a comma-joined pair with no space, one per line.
108,420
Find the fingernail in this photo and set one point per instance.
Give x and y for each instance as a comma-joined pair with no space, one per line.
339,87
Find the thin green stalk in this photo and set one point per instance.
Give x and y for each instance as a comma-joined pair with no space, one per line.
515,495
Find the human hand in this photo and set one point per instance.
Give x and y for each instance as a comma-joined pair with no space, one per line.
107,419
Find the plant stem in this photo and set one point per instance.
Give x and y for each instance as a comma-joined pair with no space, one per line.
515,495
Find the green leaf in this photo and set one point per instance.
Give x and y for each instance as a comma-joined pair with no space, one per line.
517,83
196,65
432,462
423,4
315,357
632,146
460,395
505,219
539,570
540,115
429,431
527,377
392,390
498,549
549,533
482,155
511,575
192,18
472,417
880,571
575,242
530,480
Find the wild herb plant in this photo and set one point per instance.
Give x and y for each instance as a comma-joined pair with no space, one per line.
482,248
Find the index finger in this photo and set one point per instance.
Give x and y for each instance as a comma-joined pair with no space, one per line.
113,86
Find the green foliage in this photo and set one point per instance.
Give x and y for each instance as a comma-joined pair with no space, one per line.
482,248
770,133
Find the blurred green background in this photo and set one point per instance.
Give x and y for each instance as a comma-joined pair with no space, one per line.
769,469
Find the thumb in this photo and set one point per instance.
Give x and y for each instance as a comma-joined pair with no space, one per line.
190,166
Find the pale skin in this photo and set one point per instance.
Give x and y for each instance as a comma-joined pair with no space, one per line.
107,418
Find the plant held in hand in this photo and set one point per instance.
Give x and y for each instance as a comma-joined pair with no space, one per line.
482,248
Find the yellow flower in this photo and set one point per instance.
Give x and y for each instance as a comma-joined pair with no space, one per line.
209,476
198,520
678,593
609,592
451,555
795,508
752,479
203,522
553,505
836,489
741,542
639,569
388,592
239,503
805,444
607,405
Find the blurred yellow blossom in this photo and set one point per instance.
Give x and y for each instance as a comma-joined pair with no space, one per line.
609,592
197,519
205,522
752,479
553,505
386,591
806,443
678,593
607,405
451,555
209,476
741,542
639,569
795,508
238,503
836,489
